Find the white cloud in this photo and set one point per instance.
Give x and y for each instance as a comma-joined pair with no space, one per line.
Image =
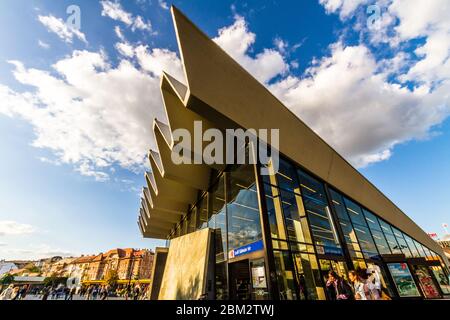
14,228
163,4
93,115
349,97
125,49
34,252
61,29
236,40
119,33
357,110
140,24
90,114
158,60
115,11
43,44
345,7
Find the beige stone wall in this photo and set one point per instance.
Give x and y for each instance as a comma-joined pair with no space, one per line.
185,271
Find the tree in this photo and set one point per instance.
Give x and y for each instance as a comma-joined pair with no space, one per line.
54,281
33,269
7,279
111,278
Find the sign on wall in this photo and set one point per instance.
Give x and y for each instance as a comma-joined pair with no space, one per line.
249,248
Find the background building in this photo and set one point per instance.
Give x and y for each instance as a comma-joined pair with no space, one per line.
128,264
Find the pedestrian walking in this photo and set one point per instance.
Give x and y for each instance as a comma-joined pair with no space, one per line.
23,292
71,293
45,293
7,293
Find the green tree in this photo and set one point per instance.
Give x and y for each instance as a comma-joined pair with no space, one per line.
33,269
6,279
54,281
111,278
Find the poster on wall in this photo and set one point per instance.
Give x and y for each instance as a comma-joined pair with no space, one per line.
442,279
259,277
426,282
403,280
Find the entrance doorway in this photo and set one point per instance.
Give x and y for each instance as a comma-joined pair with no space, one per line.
240,281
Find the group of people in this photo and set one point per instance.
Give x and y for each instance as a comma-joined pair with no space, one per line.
95,292
128,292
13,292
361,286
57,293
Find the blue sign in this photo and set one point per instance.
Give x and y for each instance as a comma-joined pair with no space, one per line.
252,247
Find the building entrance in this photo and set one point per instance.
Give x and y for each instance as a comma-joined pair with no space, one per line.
240,281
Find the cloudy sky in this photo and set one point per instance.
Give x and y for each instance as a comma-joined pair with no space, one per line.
76,104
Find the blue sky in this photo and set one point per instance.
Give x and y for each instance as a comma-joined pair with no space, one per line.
76,105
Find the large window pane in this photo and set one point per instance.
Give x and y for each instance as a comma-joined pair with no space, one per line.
311,187
402,243
285,275
321,226
274,212
202,213
371,220
355,212
392,242
319,215
192,220
420,249
366,242
287,178
244,225
349,235
217,219
380,241
295,219
308,277
221,281
338,204
411,246
390,238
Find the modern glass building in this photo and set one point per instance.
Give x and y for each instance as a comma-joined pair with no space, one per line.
269,236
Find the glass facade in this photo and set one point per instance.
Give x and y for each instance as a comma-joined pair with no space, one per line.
313,229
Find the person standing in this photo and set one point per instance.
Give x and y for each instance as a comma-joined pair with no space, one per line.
104,293
45,293
23,292
95,293
7,293
338,288
359,286
71,293
89,292
15,293
137,292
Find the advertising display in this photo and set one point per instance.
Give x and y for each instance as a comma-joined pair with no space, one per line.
403,280
259,277
426,282
441,278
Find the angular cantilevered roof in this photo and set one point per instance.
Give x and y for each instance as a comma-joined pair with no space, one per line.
220,93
